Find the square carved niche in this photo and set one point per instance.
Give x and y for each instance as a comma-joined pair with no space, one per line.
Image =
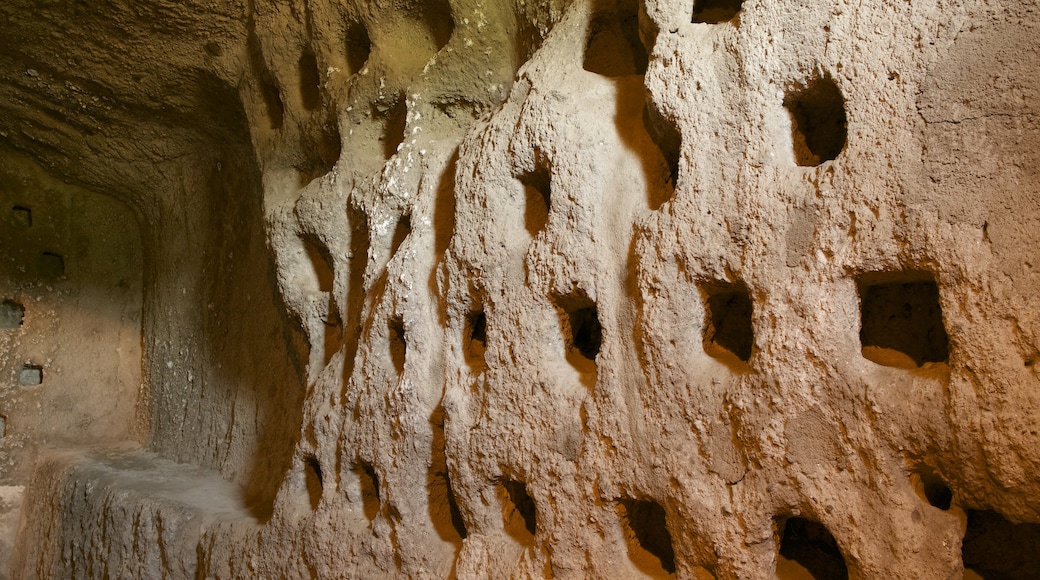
901,319
728,332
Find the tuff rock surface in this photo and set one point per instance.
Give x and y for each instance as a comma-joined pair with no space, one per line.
519,288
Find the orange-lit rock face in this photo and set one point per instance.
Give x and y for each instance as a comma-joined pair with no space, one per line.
493,289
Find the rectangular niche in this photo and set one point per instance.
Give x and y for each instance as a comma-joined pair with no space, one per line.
728,332
30,375
901,319
715,11
11,314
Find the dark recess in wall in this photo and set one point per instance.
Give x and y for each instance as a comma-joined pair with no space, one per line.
645,521
313,479
320,261
818,123
527,39
358,48
664,134
582,328
394,114
537,197
21,218
51,265
397,344
443,509
11,314
310,81
475,339
932,487
517,502
614,48
812,546
438,19
715,11
728,317
993,547
901,312
401,231
369,483
269,91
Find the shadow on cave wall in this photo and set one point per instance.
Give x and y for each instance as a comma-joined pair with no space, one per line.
251,369
257,350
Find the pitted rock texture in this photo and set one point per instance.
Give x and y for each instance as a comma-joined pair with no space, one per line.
599,288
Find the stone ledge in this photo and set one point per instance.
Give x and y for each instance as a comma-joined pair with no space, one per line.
119,513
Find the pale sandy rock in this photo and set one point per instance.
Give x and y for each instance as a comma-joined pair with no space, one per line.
489,289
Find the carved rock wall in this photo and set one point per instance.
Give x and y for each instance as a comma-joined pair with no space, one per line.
599,288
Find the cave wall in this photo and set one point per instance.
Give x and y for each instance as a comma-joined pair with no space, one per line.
598,288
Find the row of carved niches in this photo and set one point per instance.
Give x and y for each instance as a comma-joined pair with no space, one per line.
47,266
992,546
71,264
900,312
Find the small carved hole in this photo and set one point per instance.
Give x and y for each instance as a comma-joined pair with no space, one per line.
808,550
52,265
476,344
310,81
437,16
401,231
818,123
320,263
614,48
901,319
394,114
646,533
582,324
21,217
359,47
269,90
369,484
537,198
664,134
728,316
30,375
313,479
932,488
12,314
518,512
398,345
715,11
